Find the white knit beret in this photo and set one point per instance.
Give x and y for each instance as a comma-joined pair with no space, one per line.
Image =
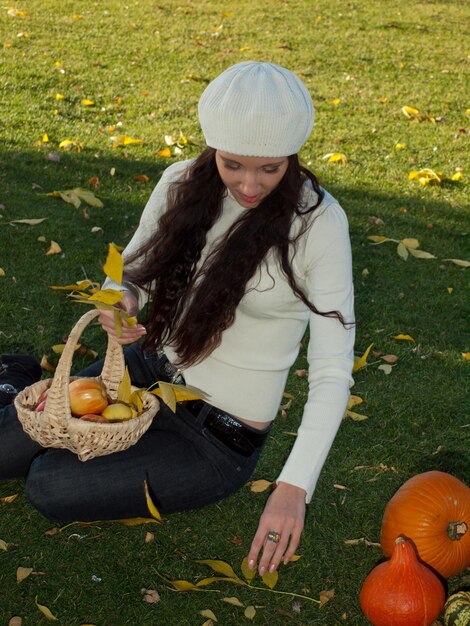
256,109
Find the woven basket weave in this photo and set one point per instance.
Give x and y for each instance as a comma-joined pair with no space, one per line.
55,427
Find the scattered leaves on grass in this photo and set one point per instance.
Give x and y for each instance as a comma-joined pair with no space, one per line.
54,248
250,612
360,362
335,157
150,595
389,358
386,368
76,195
352,402
209,614
125,140
71,144
402,337
150,504
258,486
9,499
405,247
234,601
325,596
22,573
45,611
30,222
3,545
459,262
410,112
362,541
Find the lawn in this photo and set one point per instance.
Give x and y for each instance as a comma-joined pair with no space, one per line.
92,73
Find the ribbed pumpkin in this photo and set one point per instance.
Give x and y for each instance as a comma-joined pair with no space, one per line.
402,591
457,609
433,510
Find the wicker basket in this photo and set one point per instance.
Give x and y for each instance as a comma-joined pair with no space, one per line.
55,427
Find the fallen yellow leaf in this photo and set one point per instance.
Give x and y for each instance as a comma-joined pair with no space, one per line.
125,140
325,596
233,601
360,362
270,579
22,573
87,103
164,153
246,571
403,337
208,613
426,176
150,505
45,611
458,262
335,157
466,356
70,144
258,486
410,112
2,272
3,545
9,499
250,612
54,248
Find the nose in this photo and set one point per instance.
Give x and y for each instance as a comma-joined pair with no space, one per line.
249,184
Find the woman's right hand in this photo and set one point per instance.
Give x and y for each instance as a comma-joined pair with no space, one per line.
129,333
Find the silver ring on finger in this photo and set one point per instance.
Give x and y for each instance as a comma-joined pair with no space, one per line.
274,536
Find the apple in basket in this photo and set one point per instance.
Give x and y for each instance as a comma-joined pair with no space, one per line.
87,395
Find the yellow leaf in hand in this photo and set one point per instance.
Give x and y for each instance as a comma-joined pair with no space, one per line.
114,264
80,286
107,296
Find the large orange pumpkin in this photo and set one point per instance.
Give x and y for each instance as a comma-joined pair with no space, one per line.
433,510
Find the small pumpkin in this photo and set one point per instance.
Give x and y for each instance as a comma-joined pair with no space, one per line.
433,510
457,609
402,591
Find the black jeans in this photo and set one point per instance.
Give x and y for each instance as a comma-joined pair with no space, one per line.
184,464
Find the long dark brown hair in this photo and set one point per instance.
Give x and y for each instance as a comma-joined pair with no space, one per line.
190,307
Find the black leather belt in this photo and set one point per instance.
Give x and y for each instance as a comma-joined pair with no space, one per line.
230,431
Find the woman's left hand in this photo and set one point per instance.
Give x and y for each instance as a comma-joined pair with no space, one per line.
284,513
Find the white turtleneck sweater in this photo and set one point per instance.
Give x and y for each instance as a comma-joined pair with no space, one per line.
246,374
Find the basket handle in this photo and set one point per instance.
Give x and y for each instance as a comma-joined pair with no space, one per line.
58,399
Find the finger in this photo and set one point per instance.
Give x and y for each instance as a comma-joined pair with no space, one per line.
293,544
255,548
273,553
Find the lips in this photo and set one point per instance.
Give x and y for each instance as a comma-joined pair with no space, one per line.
248,199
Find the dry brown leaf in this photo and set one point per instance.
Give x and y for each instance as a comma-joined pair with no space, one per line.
51,532
362,541
341,487
390,358
149,537
151,596
325,596
301,373
9,499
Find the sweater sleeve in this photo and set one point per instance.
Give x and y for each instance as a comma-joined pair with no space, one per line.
152,212
328,277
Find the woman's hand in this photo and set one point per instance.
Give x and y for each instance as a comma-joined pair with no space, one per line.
129,333
284,513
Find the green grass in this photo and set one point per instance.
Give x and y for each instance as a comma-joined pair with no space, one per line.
145,64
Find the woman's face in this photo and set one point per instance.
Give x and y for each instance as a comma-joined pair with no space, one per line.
250,179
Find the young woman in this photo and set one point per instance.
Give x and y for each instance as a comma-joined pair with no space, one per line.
236,252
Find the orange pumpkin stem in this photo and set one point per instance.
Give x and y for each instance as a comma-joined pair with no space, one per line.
456,530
